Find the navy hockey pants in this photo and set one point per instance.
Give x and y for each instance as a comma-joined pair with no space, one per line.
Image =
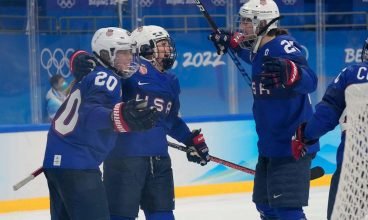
139,181
282,182
76,194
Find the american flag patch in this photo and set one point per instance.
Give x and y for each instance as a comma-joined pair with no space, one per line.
143,70
109,32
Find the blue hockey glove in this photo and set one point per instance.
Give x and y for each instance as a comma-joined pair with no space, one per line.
81,63
133,116
198,148
299,144
279,72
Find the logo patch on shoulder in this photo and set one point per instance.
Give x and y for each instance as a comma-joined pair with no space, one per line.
143,69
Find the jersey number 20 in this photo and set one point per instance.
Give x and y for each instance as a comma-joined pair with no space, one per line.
67,120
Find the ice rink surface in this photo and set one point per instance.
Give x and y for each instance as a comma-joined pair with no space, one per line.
223,207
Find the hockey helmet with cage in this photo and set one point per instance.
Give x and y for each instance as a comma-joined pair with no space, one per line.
365,51
147,38
107,42
256,14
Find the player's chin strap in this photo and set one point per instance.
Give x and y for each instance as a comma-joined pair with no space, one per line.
262,32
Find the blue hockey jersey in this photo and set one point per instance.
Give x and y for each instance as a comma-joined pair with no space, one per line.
162,91
82,133
278,112
331,110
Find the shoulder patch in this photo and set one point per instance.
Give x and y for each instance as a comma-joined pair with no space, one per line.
143,69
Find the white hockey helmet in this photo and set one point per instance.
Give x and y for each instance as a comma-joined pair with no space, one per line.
254,15
260,10
147,38
365,51
107,42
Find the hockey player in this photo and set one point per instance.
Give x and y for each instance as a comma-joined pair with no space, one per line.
82,132
329,113
138,171
281,83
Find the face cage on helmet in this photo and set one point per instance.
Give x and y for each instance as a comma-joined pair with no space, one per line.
107,59
365,51
250,38
167,62
131,68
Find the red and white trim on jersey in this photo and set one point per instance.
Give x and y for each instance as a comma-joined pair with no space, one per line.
119,123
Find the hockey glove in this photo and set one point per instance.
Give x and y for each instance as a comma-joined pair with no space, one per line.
198,150
279,72
225,40
299,144
133,116
81,63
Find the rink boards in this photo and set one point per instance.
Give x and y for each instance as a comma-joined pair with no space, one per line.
23,148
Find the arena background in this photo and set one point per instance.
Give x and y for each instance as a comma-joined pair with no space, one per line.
36,38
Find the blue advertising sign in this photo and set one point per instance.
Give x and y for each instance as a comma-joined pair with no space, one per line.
202,73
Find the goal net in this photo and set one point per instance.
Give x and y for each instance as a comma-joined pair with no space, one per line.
352,195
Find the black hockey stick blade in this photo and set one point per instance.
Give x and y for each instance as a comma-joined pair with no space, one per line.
316,172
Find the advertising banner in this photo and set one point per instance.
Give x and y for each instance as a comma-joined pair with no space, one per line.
203,74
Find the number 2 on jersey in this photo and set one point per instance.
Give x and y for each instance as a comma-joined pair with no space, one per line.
289,46
110,83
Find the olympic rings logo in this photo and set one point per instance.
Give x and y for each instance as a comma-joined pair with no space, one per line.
146,3
66,3
56,62
289,2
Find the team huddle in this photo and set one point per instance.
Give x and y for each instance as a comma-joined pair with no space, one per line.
124,102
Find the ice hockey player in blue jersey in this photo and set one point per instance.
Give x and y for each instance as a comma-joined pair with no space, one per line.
281,83
329,113
82,131
138,173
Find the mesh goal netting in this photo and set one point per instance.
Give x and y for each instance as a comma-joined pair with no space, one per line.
352,195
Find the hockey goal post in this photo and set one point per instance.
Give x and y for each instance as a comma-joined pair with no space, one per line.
352,195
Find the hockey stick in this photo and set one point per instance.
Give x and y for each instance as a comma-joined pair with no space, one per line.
231,51
216,160
28,179
316,172
121,4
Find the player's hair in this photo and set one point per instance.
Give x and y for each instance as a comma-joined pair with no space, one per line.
277,32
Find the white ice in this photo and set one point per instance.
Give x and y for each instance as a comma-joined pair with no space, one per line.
219,207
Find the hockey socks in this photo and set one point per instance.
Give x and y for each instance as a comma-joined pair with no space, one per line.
169,215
